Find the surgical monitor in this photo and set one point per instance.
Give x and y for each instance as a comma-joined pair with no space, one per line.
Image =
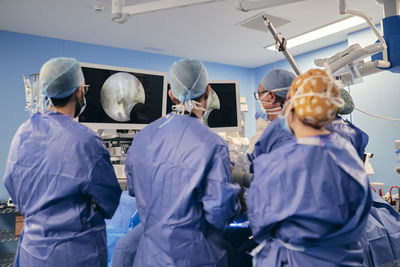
122,98
222,114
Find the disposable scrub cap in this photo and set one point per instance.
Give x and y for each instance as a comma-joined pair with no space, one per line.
188,78
348,103
60,77
278,79
315,96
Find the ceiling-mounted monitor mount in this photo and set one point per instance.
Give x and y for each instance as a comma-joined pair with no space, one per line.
121,13
249,5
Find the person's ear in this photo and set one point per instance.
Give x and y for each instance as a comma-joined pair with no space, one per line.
78,93
173,99
207,92
273,97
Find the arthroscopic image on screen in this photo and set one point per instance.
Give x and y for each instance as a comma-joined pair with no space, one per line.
122,97
222,105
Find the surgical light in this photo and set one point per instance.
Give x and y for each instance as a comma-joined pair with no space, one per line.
322,32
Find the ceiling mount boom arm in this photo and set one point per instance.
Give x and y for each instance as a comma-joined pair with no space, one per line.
248,5
120,12
281,45
343,10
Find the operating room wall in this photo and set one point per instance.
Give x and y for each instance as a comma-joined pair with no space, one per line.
24,54
378,94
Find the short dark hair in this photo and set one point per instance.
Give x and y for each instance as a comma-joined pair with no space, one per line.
61,102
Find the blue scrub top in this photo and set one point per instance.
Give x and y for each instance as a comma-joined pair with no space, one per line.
56,170
178,170
309,202
273,137
381,240
351,133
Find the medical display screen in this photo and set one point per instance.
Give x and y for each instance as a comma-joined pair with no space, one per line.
222,106
125,97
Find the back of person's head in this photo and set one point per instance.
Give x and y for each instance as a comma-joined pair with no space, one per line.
188,79
60,77
279,82
315,97
348,106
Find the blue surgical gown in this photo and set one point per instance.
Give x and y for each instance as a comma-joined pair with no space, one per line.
56,170
351,133
381,240
308,203
272,138
178,169
275,136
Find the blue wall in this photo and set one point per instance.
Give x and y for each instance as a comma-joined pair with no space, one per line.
25,54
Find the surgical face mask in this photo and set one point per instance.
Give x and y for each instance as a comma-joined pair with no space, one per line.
48,104
261,107
186,106
271,111
80,108
285,124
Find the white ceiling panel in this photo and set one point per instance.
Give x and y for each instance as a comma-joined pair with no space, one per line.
208,32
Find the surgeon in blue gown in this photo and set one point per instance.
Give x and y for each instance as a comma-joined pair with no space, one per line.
271,96
60,178
309,199
277,134
178,170
381,238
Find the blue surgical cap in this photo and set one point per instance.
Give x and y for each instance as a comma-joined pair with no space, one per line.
188,78
348,103
277,79
60,77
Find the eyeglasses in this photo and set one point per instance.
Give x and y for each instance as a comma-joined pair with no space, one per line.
85,88
257,94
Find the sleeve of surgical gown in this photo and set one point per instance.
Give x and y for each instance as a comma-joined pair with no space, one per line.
103,185
129,175
266,197
219,197
10,166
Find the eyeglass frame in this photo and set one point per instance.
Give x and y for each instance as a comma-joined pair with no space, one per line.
85,88
257,94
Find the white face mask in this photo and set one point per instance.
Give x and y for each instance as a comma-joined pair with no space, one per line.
183,107
83,107
270,111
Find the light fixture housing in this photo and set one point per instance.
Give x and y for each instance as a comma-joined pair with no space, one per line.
321,32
